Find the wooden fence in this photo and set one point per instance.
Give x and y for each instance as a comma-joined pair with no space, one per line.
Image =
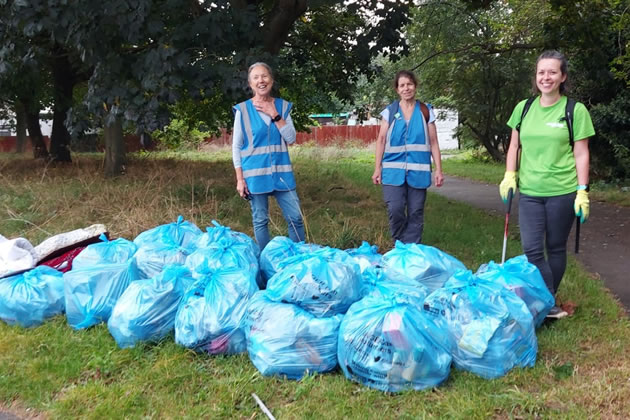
325,135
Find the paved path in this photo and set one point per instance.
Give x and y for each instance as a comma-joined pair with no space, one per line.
604,239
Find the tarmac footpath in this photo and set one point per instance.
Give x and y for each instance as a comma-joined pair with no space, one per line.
604,238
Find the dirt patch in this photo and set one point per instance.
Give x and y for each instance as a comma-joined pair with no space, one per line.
16,411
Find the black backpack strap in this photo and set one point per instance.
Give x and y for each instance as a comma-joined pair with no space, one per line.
568,117
528,105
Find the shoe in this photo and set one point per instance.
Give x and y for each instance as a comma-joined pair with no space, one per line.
557,312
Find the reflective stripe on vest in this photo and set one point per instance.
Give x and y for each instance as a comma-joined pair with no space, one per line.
264,155
411,161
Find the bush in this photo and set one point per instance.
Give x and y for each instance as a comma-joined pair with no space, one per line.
180,135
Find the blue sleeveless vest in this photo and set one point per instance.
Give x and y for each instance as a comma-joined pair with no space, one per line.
407,155
264,155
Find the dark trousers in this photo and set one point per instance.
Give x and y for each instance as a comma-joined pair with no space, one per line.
545,223
405,208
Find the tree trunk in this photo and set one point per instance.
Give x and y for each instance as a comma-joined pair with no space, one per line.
64,77
35,134
20,127
114,149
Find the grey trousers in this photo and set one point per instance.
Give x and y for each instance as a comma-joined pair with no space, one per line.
545,224
405,208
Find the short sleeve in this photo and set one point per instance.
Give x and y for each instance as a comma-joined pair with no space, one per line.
515,118
582,123
385,114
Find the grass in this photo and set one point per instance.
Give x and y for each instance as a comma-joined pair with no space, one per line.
464,165
583,361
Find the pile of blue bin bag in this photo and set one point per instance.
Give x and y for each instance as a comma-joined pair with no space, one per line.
425,264
166,244
524,279
284,339
210,316
386,341
146,310
491,329
29,298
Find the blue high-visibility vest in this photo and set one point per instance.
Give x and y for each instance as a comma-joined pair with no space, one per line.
407,155
264,155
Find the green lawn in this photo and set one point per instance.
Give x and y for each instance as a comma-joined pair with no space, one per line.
583,361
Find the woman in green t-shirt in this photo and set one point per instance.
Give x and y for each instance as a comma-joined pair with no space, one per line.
553,176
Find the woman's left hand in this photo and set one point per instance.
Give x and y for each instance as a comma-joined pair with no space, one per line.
439,178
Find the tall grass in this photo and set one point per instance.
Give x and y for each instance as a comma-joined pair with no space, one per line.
583,361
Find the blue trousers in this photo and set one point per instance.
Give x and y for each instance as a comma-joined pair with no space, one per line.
289,204
405,208
545,224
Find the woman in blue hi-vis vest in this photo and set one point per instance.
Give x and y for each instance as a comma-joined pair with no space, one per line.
405,145
262,130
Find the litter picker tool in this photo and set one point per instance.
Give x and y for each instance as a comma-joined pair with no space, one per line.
577,234
507,222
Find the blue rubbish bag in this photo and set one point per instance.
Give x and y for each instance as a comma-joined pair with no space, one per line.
393,284
117,251
323,286
152,258
223,254
29,298
219,232
210,317
277,250
91,292
391,345
426,264
283,339
525,280
146,310
366,256
181,232
491,329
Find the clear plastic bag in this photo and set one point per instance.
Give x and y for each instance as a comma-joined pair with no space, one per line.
29,298
283,339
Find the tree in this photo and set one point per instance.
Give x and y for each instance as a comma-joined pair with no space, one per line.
477,60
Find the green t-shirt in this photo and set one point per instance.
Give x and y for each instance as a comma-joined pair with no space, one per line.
547,163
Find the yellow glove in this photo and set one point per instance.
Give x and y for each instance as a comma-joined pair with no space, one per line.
581,205
508,183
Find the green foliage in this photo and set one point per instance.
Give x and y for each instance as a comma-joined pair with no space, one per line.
179,135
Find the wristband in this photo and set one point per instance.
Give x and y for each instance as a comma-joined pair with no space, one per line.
583,187
276,118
